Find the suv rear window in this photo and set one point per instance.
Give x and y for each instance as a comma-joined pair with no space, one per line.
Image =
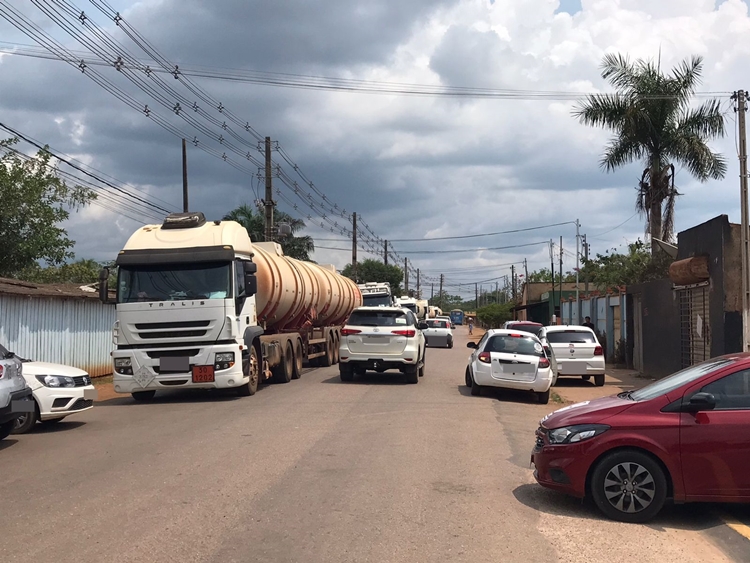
571,337
377,318
514,345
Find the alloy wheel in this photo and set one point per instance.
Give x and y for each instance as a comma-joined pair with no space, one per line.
629,487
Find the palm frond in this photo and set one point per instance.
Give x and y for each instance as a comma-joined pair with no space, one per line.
667,226
693,153
620,72
621,151
687,76
705,121
643,198
602,110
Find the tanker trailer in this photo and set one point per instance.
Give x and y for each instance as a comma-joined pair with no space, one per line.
200,306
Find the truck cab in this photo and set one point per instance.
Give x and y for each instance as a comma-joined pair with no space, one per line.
376,294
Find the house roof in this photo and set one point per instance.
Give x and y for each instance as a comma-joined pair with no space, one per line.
9,286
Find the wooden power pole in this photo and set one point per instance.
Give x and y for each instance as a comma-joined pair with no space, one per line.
354,246
741,98
269,192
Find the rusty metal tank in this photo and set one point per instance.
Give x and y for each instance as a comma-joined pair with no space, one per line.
292,292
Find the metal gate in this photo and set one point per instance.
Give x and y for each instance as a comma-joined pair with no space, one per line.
695,336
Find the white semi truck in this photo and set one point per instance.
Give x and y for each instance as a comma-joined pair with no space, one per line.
201,306
377,294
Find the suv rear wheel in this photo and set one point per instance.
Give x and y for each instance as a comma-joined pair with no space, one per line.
6,429
346,373
412,374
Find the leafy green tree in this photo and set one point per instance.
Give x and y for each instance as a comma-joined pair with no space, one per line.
374,271
493,316
653,122
299,247
637,265
33,203
544,275
81,272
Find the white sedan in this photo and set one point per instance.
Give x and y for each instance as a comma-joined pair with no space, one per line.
438,333
510,360
577,351
58,391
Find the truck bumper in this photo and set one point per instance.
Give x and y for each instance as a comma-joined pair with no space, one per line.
146,374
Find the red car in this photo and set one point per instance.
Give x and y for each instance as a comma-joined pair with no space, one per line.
685,437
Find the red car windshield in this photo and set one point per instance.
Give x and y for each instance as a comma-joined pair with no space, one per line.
525,327
664,386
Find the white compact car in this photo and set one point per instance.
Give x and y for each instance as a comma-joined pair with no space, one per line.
58,391
438,333
381,339
447,319
577,351
510,360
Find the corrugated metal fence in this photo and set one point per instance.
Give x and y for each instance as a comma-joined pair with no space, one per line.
75,332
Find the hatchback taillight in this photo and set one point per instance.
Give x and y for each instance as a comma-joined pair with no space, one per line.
2,371
408,333
543,363
485,357
598,351
349,331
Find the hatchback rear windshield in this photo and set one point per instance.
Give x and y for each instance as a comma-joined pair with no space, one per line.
571,337
525,345
437,324
377,318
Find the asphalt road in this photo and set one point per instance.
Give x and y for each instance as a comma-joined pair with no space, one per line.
317,471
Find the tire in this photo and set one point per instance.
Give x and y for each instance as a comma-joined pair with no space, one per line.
336,344
599,380
543,398
467,378
297,368
586,377
412,374
476,390
346,373
251,368
421,369
450,343
6,429
327,360
282,373
610,476
142,396
25,423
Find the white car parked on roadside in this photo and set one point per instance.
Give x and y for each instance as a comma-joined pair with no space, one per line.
509,360
577,351
58,391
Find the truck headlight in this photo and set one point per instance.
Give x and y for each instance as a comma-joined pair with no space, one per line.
56,381
223,360
124,366
575,434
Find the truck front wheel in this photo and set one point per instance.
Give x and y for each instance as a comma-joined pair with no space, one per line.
251,368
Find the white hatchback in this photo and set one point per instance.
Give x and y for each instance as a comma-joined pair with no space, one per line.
381,339
58,391
438,333
577,351
510,360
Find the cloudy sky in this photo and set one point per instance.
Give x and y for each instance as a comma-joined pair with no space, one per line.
412,166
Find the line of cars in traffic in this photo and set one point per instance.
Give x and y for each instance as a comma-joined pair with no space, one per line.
32,392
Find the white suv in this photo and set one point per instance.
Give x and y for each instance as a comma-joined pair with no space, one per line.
577,351
382,338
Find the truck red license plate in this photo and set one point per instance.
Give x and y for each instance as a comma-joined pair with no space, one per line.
203,374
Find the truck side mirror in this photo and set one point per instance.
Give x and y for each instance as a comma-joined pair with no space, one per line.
104,285
251,282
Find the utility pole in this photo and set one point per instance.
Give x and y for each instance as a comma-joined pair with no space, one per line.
269,192
406,276
578,238
561,274
552,270
585,259
513,281
440,295
184,178
418,285
476,295
385,253
741,98
354,245
432,292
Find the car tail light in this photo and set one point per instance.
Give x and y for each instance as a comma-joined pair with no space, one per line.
408,333
349,331
516,335
598,351
2,371
543,363
485,357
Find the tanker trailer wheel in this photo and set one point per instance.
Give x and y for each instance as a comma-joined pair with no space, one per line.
251,368
336,344
282,373
327,360
297,371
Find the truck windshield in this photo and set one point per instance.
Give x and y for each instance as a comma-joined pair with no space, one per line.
377,300
411,307
174,282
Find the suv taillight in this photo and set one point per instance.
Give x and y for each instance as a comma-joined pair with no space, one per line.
349,331
408,333
485,357
598,351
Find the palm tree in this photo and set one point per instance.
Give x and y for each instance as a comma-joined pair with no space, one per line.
293,246
653,122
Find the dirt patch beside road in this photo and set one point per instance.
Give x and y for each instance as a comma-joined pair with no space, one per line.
575,389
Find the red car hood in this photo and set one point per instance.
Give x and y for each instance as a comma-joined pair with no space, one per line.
587,412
